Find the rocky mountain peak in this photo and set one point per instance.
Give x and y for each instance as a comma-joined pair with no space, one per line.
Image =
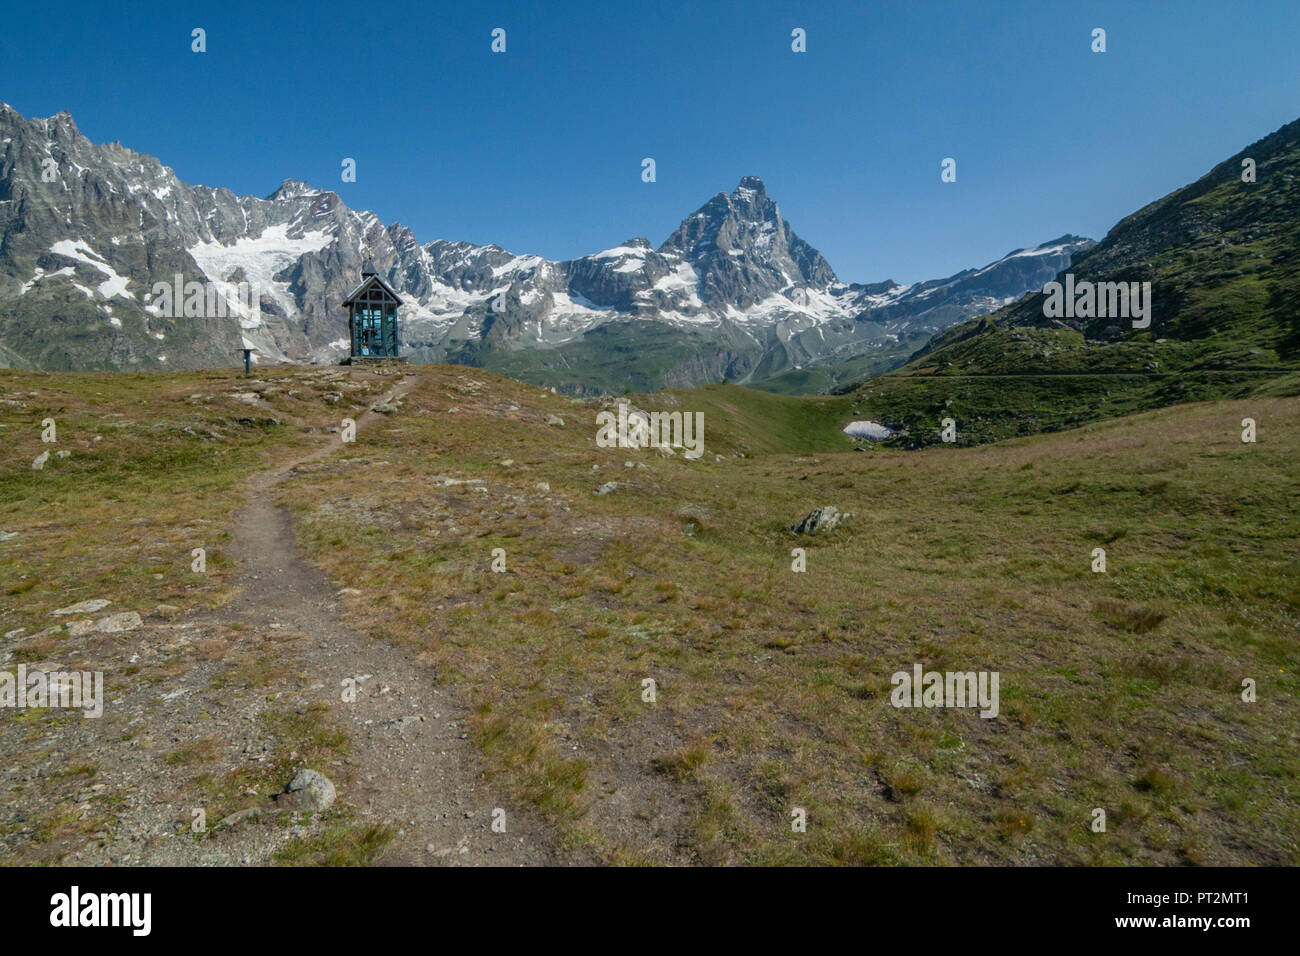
78,257
743,249
62,127
293,189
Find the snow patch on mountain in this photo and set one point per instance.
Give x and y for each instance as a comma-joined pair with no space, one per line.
259,260
872,430
79,250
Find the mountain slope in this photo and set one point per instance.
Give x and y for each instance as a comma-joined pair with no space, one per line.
1223,260
88,231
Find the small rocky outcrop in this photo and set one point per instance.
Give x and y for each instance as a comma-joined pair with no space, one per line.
820,520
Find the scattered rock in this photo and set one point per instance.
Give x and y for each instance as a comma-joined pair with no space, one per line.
383,407
342,591
543,486
694,513
84,607
6,535
252,813
402,723
63,453
56,629
819,520
39,461
117,623
607,487
506,462
443,481
309,790
555,420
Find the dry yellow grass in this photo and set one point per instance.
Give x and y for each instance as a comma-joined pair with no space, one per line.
1119,691
961,559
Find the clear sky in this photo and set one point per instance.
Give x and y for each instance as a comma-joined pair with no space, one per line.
539,149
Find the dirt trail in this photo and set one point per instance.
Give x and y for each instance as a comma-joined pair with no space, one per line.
413,767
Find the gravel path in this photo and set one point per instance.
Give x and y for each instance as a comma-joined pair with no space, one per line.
414,768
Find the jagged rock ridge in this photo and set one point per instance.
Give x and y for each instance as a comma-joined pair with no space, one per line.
87,230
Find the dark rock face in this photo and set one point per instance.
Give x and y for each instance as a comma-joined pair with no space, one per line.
103,224
87,230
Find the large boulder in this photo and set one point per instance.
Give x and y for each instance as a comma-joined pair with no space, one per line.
820,520
309,790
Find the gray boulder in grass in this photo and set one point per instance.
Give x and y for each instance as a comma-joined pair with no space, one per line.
820,520
309,790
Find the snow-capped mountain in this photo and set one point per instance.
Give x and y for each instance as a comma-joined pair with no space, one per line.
86,231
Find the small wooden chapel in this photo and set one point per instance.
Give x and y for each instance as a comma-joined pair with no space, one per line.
372,319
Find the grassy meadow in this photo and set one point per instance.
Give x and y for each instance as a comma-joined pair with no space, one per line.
1119,690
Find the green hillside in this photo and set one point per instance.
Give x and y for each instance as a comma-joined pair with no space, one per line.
1223,260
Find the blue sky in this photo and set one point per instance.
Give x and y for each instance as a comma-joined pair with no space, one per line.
539,149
